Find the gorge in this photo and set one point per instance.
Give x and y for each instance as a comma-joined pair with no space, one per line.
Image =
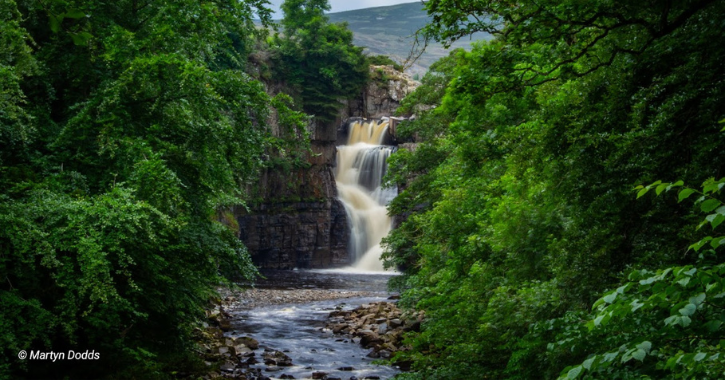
320,216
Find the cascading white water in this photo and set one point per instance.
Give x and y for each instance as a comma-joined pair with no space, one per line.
361,165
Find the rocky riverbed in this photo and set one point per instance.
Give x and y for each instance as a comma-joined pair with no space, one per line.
279,331
252,298
378,326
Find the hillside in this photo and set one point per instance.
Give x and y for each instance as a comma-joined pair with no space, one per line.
389,30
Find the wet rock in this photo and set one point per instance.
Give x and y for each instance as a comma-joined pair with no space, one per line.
242,350
286,376
346,369
215,333
227,367
319,375
382,328
277,358
248,341
372,377
369,339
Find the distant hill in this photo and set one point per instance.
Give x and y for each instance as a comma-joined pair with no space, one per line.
389,30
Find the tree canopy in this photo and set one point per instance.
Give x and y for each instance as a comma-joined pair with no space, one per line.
318,59
521,201
126,129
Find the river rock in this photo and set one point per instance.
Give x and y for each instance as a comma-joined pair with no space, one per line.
377,326
382,328
247,341
277,358
227,367
319,375
241,350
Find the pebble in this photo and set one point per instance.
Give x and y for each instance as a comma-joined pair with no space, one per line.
252,298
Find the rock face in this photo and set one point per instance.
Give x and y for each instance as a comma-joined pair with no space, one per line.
383,94
296,220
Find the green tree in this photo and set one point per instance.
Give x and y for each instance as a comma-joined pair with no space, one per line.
318,59
526,215
126,128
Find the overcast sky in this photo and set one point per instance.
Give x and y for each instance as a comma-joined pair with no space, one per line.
346,5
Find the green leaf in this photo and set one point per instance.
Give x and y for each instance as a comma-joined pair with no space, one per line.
75,13
697,246
685,321
610,297
698,299
81,39
588,363
642,192
715,242
710,205
661,188
574,372
639,354
700,356
598,320
688,310
684,281
684,194
717,220
646,346
671,320
55,22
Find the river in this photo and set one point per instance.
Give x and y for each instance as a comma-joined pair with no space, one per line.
297,329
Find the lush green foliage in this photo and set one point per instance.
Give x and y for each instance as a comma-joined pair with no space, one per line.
520,195
384,60
124,128
317,59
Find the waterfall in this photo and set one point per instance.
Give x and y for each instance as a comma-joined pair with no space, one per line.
361,165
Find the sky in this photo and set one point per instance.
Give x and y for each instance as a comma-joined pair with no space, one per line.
347,5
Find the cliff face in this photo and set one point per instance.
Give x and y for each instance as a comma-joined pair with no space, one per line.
383,94
296,220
